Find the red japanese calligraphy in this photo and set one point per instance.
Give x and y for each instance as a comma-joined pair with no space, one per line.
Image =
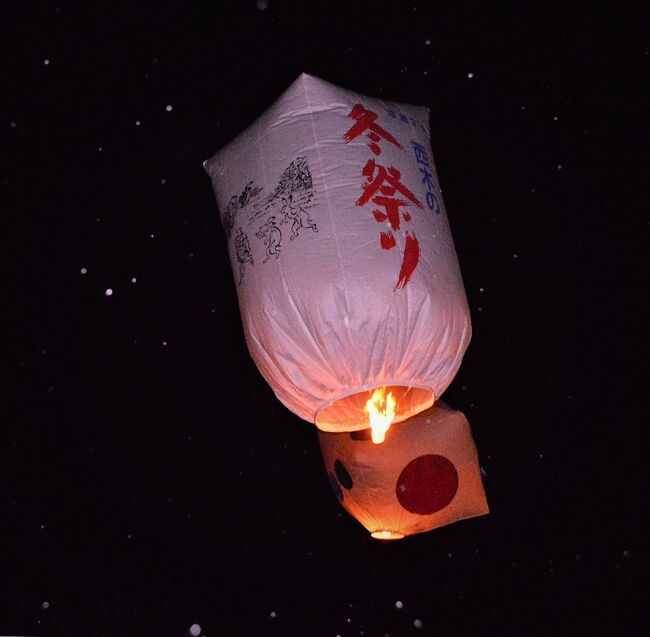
392,211
387,240
387,181
384,188
410,260
366,121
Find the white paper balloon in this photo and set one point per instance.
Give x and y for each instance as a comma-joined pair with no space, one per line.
342,255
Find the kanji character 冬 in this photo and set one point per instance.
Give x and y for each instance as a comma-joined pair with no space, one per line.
366,121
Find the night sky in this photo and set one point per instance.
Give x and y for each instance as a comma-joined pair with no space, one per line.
149,478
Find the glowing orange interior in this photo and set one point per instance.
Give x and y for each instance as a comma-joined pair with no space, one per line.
349,413
387,535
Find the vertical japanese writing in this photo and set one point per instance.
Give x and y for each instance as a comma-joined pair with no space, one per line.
422,159
405,120
383,187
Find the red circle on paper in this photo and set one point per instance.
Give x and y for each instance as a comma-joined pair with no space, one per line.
427,484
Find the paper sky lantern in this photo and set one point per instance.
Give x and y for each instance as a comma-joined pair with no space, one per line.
346,274
425,475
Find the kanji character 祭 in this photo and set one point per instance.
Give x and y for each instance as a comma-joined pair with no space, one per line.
381,186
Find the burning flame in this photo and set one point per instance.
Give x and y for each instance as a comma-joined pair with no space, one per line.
380,408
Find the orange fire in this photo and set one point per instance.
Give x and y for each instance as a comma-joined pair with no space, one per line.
380,408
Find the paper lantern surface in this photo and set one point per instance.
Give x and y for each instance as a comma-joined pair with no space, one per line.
425,475
342,255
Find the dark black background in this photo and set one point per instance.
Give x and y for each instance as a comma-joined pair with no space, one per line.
149,478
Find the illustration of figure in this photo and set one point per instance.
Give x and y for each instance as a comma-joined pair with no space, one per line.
248,193
272,236
229,215
243,252
298,216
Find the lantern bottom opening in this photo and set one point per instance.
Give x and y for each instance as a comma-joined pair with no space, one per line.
346,412
387,535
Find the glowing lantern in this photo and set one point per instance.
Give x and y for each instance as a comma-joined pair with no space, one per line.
425,475
345,268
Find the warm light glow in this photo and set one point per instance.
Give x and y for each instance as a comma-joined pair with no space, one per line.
381,411
387,535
